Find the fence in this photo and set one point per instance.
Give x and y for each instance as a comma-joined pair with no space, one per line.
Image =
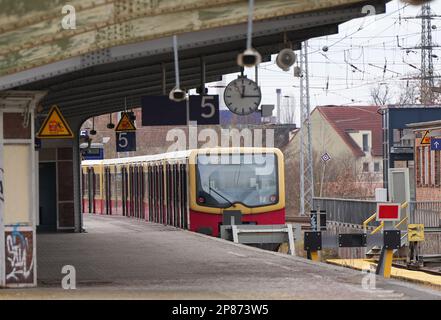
346,210
342,212
356,211
426,212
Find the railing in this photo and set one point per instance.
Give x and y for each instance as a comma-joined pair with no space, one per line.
381,226
357,211
346,210
426,212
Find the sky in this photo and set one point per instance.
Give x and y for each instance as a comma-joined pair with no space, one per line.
367,43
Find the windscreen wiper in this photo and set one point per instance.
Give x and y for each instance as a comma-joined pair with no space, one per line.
215,191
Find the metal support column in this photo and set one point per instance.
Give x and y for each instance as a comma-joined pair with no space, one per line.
2,199
306,159
76,167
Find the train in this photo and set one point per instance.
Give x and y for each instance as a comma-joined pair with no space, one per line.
189,189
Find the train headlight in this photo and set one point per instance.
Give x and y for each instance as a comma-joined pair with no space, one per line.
201,200
273,198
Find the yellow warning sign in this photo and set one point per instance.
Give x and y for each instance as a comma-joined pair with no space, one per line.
125,124
415,232
55,126
425,139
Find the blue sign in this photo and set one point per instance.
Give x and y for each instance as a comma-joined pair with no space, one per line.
125,141
435,144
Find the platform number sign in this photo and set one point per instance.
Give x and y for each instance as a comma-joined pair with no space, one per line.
125,141
161,111
204,109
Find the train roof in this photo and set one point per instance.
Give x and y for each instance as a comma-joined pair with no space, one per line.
175,155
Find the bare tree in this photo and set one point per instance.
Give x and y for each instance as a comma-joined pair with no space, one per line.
380,95
409,93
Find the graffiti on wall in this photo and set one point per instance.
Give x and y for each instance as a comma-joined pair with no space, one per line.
19,254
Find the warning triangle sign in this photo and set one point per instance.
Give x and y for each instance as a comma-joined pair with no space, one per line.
425,139
55,126
125,124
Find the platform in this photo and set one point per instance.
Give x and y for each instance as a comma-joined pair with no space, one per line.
124,258
398,273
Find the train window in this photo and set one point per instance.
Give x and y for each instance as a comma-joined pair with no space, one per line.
223,180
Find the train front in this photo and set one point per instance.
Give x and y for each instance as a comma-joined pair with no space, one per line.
223,181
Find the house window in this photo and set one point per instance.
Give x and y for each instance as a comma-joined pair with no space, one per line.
365,142
376,166
365,166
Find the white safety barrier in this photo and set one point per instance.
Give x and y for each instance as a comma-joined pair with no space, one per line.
260,234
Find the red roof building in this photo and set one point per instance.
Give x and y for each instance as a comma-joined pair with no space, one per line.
350,119
352,138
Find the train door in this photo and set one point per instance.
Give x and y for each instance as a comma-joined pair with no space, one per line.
178,195
167,194
124,188
133,178
184,211
91,177
141,191
161,194
107,191
134,190
156,193
149,192
118,190
175,196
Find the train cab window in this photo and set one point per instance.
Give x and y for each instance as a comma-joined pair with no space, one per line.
223,180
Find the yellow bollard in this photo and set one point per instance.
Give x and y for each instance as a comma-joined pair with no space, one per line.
314,256
388,263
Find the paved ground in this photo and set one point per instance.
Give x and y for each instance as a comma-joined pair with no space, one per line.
120,258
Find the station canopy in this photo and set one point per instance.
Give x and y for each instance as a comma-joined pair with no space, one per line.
122,50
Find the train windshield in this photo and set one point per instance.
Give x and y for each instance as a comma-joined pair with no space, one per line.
250,179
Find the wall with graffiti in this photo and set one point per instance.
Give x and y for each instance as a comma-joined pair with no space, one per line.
20,256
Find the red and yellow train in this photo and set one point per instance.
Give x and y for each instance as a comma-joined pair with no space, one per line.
189,189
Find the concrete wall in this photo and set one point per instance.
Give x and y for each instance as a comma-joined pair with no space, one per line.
18,200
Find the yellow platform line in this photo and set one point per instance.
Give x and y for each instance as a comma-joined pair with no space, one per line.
404,274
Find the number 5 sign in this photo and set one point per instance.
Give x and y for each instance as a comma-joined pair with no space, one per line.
125,141
204,109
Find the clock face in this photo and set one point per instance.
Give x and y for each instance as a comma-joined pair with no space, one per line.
242,96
